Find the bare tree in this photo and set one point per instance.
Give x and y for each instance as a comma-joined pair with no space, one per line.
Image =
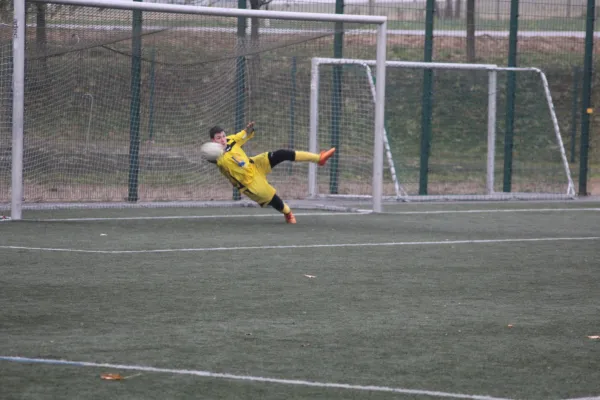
448,10
498,10
41,36
6,13
457,9
253,60
470,31
254,22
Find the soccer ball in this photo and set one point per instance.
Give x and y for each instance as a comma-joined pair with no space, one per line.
211,151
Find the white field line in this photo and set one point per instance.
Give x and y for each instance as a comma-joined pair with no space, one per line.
304,246
516,210
250,378
586,398
272,215
214,216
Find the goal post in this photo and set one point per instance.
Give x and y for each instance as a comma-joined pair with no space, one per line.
313,136
107,70
482,92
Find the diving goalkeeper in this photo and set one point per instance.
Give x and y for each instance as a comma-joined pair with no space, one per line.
249,174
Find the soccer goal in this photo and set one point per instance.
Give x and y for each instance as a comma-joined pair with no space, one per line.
466,159
115,99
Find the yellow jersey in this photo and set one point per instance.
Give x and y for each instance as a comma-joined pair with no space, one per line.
234,163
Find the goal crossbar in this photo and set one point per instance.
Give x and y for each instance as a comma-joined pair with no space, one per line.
492,70
220,11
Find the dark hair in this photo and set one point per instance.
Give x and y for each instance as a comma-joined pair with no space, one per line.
214,130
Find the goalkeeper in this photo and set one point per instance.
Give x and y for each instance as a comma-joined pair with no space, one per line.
249,174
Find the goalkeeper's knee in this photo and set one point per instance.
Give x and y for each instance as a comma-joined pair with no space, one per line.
278,156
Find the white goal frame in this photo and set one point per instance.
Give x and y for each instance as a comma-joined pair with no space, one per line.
492,71
18,84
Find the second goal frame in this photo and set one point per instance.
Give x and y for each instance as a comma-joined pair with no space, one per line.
492,71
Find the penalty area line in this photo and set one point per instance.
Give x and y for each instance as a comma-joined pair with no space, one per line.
357,212
586,398
191,217
250,378
491,211
304,246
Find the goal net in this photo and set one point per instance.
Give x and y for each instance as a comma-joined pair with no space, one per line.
466,156
119,96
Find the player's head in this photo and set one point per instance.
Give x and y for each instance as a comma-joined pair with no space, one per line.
217,134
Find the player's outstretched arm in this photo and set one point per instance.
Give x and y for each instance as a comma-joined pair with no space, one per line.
250,128
243,136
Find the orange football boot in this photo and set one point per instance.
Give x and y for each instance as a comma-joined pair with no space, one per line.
289,218
325,155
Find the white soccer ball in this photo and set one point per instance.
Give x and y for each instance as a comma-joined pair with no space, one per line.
211,151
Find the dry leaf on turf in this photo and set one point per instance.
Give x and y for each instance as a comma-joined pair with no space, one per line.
111,377
117,377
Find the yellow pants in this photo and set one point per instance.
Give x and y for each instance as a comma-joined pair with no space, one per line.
260,190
